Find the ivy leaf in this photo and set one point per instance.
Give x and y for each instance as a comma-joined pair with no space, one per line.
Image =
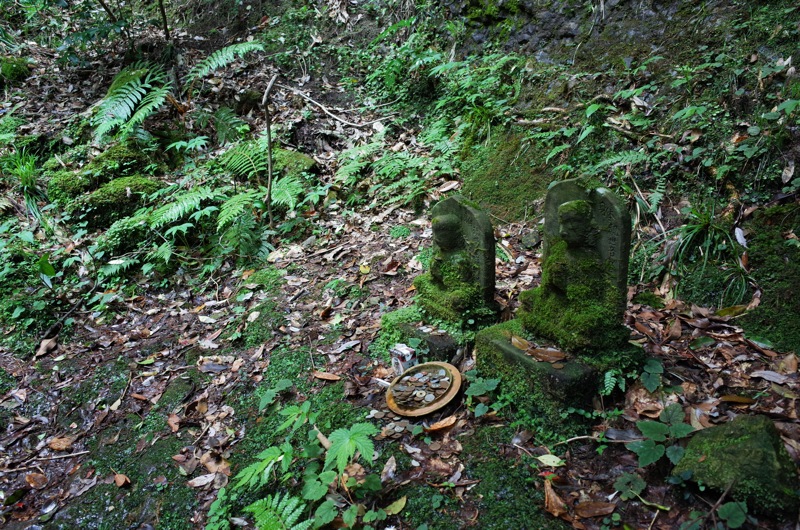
651,381
350,515
314,490
672,415
681,430
629,485
480,410
653,430
345,443
675,453
326,512
733,513
653,366
648,451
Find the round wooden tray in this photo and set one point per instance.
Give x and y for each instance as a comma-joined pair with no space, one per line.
444,399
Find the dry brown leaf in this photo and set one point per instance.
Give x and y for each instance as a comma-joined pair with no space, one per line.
441,424
61,443
121,480
388,470
326,376
36,480
46,346
594,509
552,502
202,480
675,330
519,342
174,422
548,355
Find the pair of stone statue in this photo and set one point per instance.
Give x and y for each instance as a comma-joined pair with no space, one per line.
581,298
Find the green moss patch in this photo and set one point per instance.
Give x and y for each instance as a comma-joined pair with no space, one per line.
393,330
775,263
119,198
506,176
585,316
13,70
292,163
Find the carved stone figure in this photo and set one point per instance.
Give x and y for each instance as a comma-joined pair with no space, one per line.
581,299
460,284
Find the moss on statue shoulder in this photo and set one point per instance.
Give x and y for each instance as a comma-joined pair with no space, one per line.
576,305
460,304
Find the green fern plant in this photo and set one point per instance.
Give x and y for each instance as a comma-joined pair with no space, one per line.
276,512
135,94
221,58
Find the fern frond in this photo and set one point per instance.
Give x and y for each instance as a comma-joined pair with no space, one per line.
135,93
236,206
276,512
286,191
116,267
228,125
624,159
222,57
246,160
182,205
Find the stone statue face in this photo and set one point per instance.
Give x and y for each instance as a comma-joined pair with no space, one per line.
447,232
575,223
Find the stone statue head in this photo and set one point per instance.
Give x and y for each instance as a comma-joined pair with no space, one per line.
575,223
447,234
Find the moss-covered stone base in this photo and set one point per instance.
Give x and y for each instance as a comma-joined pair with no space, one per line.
748,453
537,387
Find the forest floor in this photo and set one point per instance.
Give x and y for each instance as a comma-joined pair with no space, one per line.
149,396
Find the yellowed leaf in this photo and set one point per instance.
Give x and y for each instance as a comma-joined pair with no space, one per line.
327,376
36,480
441,424
519,342
61,443
396,507
364,268
174,422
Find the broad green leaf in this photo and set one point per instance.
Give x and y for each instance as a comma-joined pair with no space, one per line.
701,342
629,485
591,109
550,460
680,430
480,410
648,451
651,381
326,512
345,443
733,513
675,453
672,415
314,490
653,366
45,267
653,430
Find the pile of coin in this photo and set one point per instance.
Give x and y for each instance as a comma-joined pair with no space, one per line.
421,388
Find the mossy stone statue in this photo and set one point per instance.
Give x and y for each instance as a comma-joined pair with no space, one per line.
581,299
460,284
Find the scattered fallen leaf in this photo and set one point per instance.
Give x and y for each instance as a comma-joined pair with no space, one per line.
61,443
769,375
519,342
388,470
202,480
174,422
396,507
326,376
550,460
121,480
441,424
552,502
36,480
46,346
594,509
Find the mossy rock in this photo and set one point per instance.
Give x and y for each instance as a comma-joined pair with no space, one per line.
506,176
13,70
748,456
775,264
120,160
116,199
394,329
292,163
